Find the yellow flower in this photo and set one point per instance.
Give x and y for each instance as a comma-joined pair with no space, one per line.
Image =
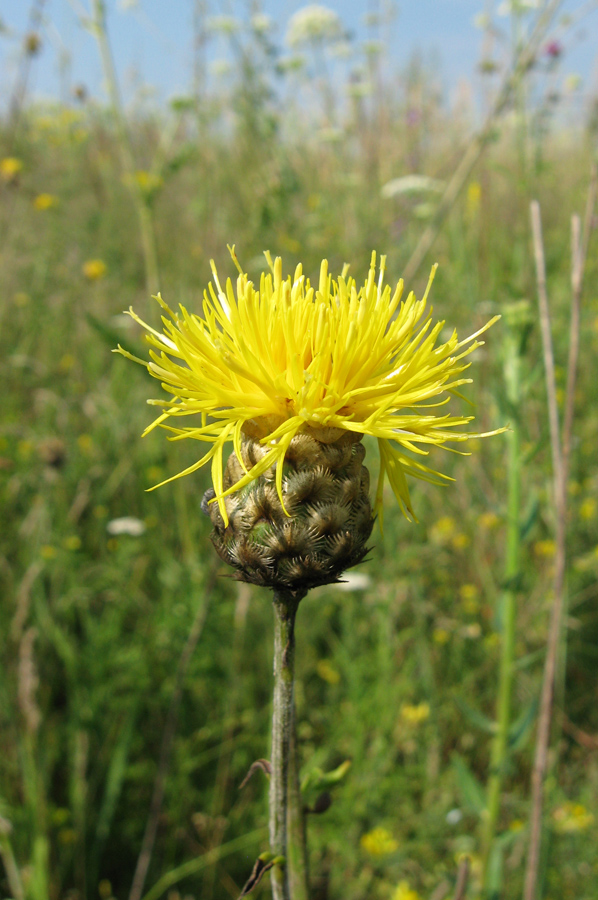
379,842
94,269
441,636
461,541
474,196
545,548
414,714
288,357
10,167
45,201
442,530
587,510
327,671
571,817
469,596
488,521
149,182
404,892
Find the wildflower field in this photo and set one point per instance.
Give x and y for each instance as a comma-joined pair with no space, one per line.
135,682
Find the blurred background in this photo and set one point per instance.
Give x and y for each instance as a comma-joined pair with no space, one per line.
137,139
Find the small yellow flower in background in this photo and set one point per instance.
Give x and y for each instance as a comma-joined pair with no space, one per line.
492,640
276,361
488,521
469,597
94,269
545,548
472,202
441,636
45,201
21,299
572,817
573,488
290,243
443,530
414,714
73,542
66,362
153,473
85,442
516,826
47,551
587,510
24,449
379,842
404,892
327,671
10,167
149,182
461,540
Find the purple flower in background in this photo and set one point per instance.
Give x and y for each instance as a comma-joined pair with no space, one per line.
553,49
413,117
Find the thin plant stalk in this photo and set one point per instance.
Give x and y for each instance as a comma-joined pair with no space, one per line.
560,455
524,59
285,610
298,852
146,225
498,756
13,876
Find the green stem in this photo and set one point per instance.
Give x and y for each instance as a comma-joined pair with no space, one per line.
285,610
146,226
298,854
499,752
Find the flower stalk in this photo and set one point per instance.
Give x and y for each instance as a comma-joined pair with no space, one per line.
285,610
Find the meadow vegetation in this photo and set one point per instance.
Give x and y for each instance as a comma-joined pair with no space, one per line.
127,654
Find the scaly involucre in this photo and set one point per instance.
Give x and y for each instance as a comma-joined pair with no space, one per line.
289,357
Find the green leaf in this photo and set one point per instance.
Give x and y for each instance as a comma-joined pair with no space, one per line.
520,729
472,792
530,518
319,780
495,870
475,717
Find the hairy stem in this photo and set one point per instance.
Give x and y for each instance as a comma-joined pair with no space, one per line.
285,610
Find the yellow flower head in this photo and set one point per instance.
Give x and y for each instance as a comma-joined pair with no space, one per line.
379,842
415,714
45,201
405,892
286,357
10,167
94,269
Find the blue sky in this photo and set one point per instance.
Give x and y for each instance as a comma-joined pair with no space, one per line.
152,40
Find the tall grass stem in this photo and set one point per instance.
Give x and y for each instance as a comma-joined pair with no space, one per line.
146,225
522,62
560,456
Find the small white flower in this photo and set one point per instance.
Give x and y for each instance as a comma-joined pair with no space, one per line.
454,816
126,525
411,184
354,581
314,23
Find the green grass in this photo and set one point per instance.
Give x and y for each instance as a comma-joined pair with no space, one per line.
84,698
